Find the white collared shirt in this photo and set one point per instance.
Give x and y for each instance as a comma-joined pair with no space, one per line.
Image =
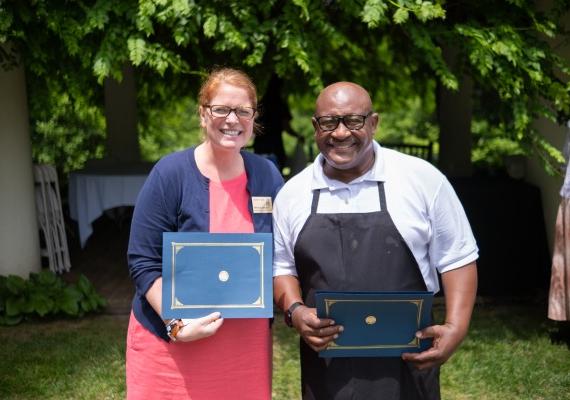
420,200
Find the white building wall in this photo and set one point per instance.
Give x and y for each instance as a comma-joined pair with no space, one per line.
19,238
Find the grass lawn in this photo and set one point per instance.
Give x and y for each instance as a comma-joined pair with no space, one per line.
508,355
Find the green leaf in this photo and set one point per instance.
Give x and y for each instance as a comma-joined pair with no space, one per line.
401,15
302,4
26,306
47,278
93,302
181,35
69,305
41,304
16,284
71,292
210,26
428,11
70,308
84,285
85,305
181,7
101,68
374,12
137,50
14,306
548,28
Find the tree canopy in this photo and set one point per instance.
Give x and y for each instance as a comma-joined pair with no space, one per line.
394,48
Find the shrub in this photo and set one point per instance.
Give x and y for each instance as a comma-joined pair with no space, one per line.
45,294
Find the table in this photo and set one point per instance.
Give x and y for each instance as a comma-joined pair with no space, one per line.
93,191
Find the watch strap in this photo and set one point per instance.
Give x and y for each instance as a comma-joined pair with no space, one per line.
173,327
289,312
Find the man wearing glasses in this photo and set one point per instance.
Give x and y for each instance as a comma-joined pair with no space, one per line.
366,218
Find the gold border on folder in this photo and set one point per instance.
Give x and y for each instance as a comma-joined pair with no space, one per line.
177,304
415,342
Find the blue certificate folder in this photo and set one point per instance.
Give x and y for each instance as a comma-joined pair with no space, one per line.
226,272
376,324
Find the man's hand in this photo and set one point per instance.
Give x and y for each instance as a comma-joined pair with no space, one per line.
200,328
446,338
460,287
317,333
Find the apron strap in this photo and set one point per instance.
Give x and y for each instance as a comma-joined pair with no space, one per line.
382,195
314,204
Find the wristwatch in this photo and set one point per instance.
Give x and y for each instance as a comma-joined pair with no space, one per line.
289,313
173,327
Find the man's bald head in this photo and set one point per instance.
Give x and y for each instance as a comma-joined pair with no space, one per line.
341,93
344,129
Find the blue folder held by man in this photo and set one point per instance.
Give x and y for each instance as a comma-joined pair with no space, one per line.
376,324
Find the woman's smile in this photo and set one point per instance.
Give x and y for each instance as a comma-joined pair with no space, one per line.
231,132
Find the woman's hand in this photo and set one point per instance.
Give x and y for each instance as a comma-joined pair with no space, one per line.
199,328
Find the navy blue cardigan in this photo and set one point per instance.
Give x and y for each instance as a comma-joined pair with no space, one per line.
175,197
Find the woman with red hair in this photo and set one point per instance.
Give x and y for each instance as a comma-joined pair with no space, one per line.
208,188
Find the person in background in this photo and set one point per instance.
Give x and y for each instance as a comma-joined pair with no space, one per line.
366,218
209,188
559,295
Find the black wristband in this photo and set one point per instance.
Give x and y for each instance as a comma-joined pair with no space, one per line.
289,313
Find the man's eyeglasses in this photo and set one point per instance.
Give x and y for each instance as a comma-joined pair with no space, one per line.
351,121
218,111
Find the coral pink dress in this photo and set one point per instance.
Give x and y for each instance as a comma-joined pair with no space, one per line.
235,363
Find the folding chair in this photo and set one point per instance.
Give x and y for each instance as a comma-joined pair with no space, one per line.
50,218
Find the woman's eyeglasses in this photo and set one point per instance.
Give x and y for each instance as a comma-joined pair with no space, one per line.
218,111
351,121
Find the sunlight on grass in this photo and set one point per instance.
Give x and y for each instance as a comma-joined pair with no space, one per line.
508,355
286,374
72,359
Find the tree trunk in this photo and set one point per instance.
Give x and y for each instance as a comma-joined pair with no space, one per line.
122,146
274,119
454,112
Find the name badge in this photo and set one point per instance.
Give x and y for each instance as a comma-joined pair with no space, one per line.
262,205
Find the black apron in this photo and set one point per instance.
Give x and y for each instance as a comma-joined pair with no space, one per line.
358,252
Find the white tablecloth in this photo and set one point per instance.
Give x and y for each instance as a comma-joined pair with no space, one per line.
90,194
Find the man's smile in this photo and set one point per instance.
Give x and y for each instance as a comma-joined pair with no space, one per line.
345,144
